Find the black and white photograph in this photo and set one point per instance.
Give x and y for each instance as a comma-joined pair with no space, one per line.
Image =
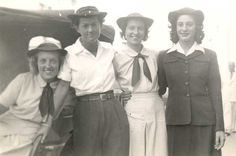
117,78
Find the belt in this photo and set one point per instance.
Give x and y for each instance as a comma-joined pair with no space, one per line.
97,96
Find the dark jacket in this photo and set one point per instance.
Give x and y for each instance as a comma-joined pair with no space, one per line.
194,88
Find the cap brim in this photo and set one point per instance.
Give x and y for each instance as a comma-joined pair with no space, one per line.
34,51
123,21
75,16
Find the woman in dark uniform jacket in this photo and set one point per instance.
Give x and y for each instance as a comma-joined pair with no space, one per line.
194,113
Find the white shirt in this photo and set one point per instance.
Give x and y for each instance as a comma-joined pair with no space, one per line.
22,97
124,67
88,73
178,48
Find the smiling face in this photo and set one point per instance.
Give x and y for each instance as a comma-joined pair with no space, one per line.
89,29
48,65
135,32
186,28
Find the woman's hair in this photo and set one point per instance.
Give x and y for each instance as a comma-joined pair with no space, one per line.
122,33
199,30
33,62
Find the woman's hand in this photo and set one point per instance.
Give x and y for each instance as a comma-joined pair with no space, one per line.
125,96
43,131
220,140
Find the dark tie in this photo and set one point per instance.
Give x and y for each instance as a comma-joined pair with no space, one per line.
46,104
136,70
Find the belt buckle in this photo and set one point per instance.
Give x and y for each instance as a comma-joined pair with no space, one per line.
103,97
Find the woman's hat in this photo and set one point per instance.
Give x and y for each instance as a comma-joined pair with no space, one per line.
87,11
42,43
122,21
197,14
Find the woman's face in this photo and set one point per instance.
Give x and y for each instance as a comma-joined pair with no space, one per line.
89,29
135,31
48,65
186,28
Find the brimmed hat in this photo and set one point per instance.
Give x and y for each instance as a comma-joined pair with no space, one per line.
122,21
198,14
87,12
42,43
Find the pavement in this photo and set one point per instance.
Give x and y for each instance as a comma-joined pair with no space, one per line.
229,148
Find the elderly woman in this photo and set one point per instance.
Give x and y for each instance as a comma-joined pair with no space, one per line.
25,105
137,71
100,123
194,113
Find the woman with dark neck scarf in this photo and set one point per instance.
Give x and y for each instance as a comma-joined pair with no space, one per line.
137,71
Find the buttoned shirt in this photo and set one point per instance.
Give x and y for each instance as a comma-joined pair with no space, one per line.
22,97
178,48
88,73
124,66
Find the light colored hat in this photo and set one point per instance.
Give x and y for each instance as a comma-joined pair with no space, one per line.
197,14
87,11
122,21
42,43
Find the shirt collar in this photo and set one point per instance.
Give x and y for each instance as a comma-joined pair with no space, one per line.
79,48
40,80
178,48
133,53
42,83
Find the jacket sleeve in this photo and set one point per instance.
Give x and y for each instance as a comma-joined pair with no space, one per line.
162,82
214,86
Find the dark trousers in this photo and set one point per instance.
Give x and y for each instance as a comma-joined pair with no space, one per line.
191,140
100,129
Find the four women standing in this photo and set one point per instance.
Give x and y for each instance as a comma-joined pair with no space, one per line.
194,115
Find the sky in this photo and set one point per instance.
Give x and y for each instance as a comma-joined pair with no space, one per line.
219,23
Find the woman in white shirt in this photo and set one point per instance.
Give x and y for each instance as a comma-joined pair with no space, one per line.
20,117
136,68
100,123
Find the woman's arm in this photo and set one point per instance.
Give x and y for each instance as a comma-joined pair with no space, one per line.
162,82
214,84
60,95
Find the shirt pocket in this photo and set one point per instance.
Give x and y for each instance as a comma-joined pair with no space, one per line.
200,67
173,66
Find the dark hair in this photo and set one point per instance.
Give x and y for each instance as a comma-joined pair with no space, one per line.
199,30
33,62
122,33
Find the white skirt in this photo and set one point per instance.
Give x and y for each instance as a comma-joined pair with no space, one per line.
146,115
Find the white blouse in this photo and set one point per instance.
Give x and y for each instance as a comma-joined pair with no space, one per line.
124,67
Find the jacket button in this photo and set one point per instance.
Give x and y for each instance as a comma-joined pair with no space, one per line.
187,95
186,72
186,83
186,62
